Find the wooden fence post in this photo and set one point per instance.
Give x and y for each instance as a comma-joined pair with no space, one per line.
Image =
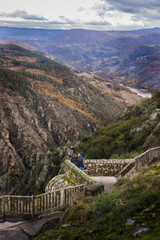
62,198
3,208
10,205
33,207
84,190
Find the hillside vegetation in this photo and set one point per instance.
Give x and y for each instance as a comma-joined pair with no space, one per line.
130,211
135,131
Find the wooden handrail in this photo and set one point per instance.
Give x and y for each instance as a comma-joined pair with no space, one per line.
146,157
18,196
34,205
57,190
74,186
142,154
44,194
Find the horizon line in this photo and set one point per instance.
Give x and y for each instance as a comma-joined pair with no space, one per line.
50,29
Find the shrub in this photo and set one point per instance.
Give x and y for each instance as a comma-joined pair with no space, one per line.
15,81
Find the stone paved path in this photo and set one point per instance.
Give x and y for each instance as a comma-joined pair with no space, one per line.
107,181
23,229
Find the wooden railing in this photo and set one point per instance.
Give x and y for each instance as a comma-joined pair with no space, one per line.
11,205
147,157
126,169
140,161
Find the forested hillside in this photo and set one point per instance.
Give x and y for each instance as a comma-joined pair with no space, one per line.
136,130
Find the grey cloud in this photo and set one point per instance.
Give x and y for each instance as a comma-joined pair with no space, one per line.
81,9
100,23
101,9
22,14
65,20
138,9
131,6
57,24
147,15
34,24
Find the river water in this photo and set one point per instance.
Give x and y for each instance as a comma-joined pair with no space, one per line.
140,92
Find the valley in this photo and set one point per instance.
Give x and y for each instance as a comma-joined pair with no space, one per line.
46,105
129,57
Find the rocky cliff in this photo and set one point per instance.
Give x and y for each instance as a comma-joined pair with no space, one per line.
45,104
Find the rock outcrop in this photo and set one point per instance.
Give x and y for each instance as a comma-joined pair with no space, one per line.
70,176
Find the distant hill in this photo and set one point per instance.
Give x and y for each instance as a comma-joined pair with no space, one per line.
140,67
105,53
13,33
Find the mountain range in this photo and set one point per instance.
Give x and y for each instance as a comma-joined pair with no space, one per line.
127,57
110,54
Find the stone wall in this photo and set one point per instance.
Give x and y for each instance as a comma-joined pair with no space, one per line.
70,176
105,167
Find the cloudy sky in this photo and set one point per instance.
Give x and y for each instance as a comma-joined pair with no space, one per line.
86,14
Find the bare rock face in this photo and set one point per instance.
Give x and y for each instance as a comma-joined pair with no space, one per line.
8,154
21,143
155,115
27,133
31,181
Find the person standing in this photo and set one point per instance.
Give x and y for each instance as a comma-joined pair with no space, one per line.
74,160
80,162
